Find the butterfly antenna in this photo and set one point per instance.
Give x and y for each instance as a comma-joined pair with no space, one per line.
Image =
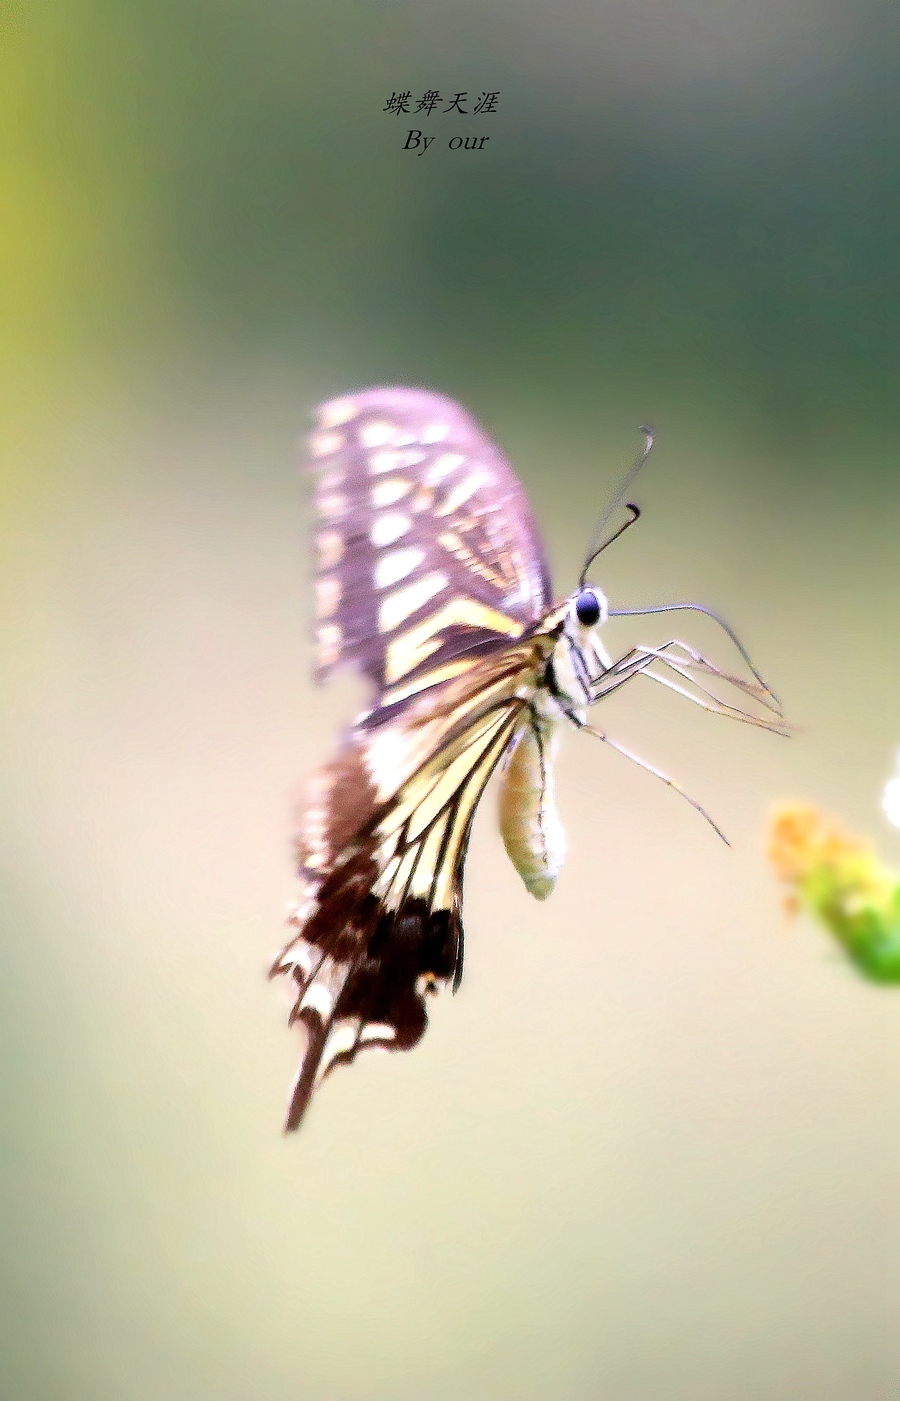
617,498
658,773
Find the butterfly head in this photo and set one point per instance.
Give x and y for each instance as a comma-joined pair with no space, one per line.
589,607
579,657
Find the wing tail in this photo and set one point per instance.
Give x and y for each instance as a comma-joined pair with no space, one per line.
372,999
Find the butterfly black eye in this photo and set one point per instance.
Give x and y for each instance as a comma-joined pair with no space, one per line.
587,608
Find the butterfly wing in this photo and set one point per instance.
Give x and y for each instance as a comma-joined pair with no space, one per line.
381,848
430,580
428,556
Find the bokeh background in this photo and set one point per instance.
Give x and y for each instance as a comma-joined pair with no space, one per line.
651,1150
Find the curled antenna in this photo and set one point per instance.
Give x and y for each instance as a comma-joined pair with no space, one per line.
618,496
635,516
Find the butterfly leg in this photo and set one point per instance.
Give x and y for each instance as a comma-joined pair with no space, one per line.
650,768
774,702
713,703
692,660
683,659
622,670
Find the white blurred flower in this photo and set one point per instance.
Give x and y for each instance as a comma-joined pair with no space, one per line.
891,800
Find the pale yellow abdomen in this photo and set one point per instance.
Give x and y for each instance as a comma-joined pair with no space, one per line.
529,822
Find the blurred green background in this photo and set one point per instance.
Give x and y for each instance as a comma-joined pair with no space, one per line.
650,1152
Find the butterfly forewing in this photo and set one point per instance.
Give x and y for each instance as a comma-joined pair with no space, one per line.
428,555
431,580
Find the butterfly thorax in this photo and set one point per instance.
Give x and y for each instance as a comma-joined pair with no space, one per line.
579,658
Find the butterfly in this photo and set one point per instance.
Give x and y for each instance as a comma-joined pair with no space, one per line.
432,582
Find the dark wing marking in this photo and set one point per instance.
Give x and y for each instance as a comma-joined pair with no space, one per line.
381,848
428,555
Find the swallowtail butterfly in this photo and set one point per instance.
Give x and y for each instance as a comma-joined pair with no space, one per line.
432,581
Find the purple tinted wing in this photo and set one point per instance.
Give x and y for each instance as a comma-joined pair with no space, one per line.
428,555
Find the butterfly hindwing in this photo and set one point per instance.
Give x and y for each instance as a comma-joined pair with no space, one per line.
428,555
381,847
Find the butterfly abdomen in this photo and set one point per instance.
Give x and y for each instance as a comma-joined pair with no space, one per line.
529,823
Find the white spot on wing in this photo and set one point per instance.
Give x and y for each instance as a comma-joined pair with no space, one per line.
377,434
390,461
317,998
331,547
434,433
323,444
384,461
389,527
401,604
377,1031
342,1038
396,565
461,493
314,834
329,639
328,596
443,466
386,493
331,506
338,411
387,758
303,957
